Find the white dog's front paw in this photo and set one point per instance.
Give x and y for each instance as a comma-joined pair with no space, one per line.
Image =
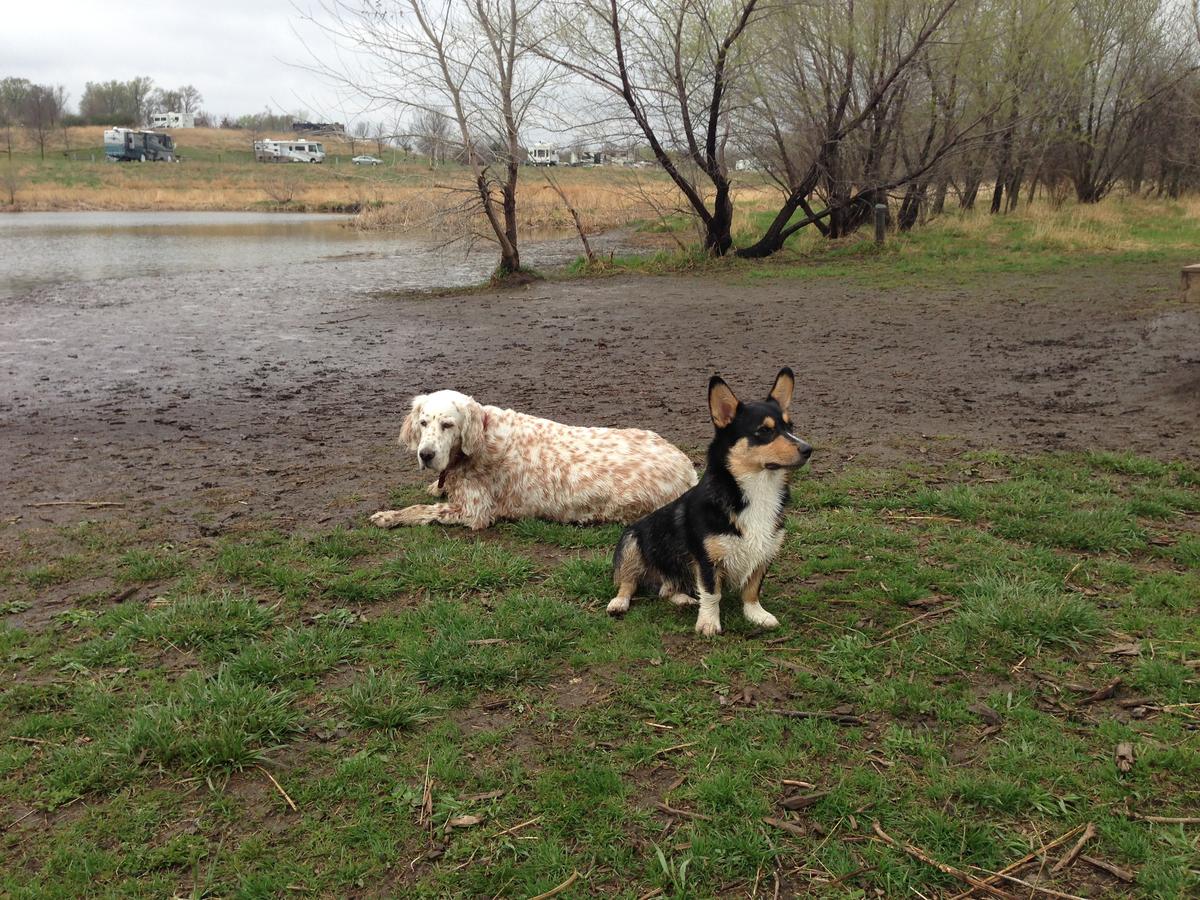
387,518
435,488
709,626
618,606
756,615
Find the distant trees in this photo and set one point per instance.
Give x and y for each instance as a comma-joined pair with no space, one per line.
186,99
42,112
469,61
117,102
845,104
13,92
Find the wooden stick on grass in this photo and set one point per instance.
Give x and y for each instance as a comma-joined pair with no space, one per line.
555,891
1027,858
919,854
1171,820
1069,857
90,504
840,718
279,787
681,813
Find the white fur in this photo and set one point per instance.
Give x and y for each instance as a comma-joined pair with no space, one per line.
708,622
761,537
502,464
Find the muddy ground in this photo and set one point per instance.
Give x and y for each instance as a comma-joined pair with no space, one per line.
277,395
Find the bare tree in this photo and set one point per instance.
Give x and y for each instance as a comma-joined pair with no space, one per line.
1132,63
471,58
672,67
13,93
432,131
381,137
42,112
854,102
190,100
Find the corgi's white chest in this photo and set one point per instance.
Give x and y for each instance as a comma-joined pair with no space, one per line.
760,537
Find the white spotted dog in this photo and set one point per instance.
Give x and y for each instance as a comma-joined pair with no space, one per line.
727,529
496,463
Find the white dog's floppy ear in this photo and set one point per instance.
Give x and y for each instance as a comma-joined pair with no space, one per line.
410,435
472,429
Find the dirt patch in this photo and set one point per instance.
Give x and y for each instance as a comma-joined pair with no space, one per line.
202,401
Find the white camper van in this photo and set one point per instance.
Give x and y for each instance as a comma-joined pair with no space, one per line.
172,120
542,155
289,151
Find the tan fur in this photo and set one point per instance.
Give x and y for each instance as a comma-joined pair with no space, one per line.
745,459
781,391
722,404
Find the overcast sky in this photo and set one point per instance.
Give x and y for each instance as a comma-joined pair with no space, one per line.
240,54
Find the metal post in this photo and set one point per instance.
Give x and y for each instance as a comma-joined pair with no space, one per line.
881,212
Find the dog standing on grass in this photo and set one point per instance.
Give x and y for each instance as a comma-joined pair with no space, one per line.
497,463
726,530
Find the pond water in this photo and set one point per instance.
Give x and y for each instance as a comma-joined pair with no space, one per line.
41,249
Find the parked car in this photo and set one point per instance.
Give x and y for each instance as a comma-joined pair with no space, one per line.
367,161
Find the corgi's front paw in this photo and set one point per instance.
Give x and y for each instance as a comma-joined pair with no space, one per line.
618,606
756,615
708,626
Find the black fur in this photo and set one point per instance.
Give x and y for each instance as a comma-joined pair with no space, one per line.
671,539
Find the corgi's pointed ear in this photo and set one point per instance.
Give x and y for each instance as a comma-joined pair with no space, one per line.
722,404
785,383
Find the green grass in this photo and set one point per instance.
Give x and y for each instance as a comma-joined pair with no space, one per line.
962,611
956,247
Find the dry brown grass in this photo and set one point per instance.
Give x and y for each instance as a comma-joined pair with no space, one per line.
80,138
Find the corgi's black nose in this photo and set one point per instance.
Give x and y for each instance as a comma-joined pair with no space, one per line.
805,451
426,456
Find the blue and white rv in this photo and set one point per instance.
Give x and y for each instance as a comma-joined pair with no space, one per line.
130,145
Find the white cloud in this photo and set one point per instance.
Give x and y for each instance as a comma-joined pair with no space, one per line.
242,55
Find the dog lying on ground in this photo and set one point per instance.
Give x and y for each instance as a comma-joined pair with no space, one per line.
496,463
727,529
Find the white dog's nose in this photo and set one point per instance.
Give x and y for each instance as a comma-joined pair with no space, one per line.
426,456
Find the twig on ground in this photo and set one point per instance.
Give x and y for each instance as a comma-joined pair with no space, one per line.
28,740
665,750
555,891
1169,820
1089,832
940,611
90,504
426,815
680,813
840,718
517,828
918,853
279,787
16,822
1038,889
1103,693
1115,871
783,824
1027,858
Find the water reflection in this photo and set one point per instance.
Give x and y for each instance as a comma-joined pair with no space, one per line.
40,249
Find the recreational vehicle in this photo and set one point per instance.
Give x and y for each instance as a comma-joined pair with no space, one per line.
543,155
128,144
289,151
172,120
